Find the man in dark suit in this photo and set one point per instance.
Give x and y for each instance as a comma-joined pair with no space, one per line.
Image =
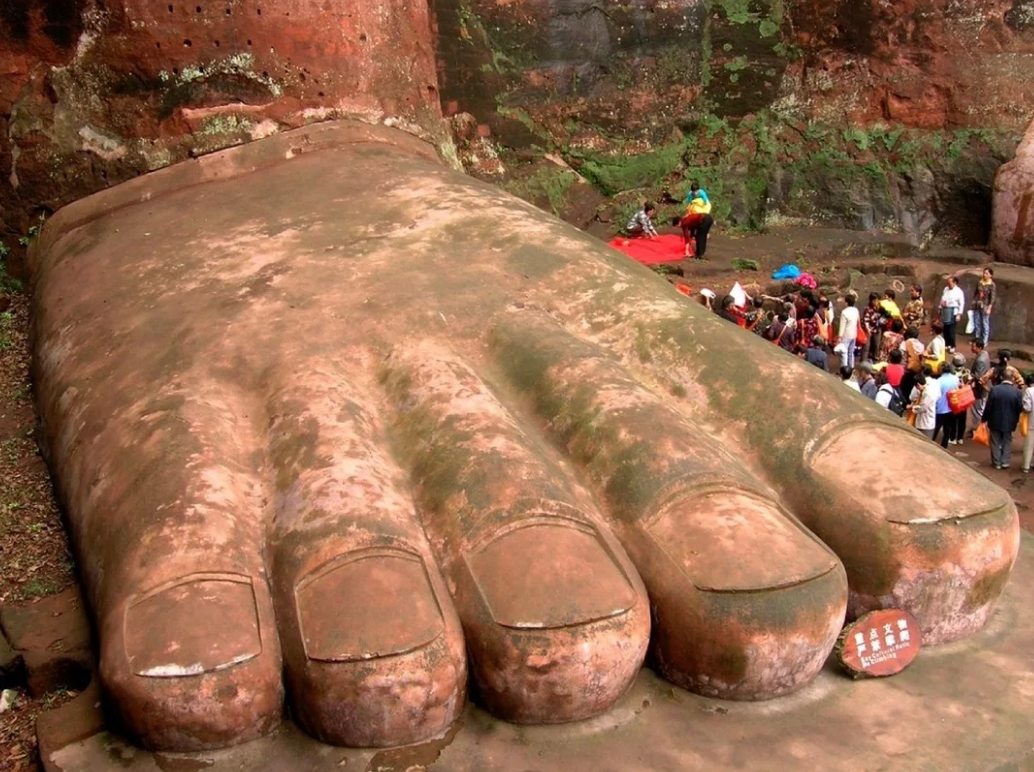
1002,414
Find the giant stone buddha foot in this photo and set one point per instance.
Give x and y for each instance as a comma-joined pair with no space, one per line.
333,421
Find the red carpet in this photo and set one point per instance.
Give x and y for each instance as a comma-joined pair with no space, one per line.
664,249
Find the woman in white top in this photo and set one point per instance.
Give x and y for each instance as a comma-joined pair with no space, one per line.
924,404
935,352
1028,408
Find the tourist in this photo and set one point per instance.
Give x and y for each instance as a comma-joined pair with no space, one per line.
728,310
1002,414
895,368
923,399
965,379
914,314
888,395
936,352
807,327
641,224
849,320
866,383
889,306
1009,373
873,324
1028,408
946,423
849,382
981,367
754,319
695,191
953,302
781,333
707,298
892,340
983,304
696,223
816,353
913,349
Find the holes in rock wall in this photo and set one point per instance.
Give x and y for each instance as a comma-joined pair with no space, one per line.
170,9
362,37
215,43
197,9
187,44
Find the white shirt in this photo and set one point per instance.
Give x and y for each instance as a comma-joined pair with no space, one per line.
926,410
849,323
884,394
953,298
937,348
1028,400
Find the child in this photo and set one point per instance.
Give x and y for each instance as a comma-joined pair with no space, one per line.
641,224
695,191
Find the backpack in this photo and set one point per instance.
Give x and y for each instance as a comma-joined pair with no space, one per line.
897,402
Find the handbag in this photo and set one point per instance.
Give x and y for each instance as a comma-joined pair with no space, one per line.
982,435
961,399
863,336
1024,423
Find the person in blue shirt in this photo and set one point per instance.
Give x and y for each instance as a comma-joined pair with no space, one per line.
946,422
695,191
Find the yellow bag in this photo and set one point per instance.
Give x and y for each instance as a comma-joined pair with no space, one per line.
699,206
1024,423
982,435
911,418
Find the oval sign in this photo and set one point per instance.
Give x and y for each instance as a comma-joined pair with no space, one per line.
881,643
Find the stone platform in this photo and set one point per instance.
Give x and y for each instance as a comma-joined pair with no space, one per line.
966,706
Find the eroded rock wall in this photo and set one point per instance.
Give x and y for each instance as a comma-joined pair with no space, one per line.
94,92
855,113
861,114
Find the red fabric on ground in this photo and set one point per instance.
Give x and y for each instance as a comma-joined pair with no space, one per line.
663,249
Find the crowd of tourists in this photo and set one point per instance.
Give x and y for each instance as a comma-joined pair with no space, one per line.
881,351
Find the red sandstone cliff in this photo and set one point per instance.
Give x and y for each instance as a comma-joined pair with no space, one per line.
92,93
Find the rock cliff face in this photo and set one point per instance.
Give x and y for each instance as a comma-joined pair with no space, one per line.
1012,234
851,112
860,113
93,92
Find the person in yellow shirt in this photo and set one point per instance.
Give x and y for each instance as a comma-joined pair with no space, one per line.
697,222
889,306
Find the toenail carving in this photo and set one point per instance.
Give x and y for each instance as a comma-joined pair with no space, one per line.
706,524
367,604
197,624
532,574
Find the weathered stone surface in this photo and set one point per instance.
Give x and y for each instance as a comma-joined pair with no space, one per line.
52,636
1012,235
522,458
834,725
93,93
71,723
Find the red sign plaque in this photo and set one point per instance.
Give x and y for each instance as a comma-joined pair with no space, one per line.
881,643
